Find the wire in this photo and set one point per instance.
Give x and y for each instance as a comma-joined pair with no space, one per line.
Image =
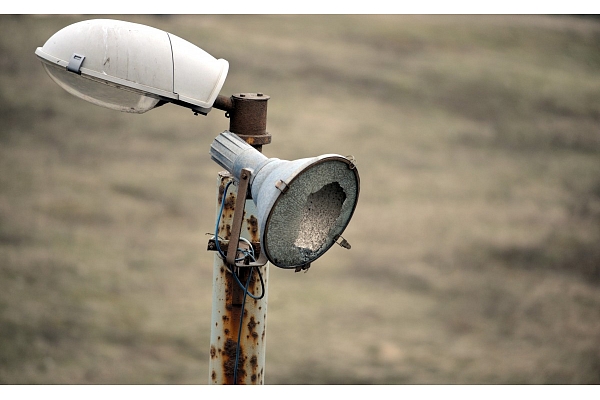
246,253
237,348
218,245
262,285
250,251
219,221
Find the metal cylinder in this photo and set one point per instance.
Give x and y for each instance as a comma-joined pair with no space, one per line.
228,298
248,118
233,153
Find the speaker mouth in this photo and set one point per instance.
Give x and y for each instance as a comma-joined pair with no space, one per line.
313,208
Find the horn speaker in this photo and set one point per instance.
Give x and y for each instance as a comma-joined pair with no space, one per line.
303,206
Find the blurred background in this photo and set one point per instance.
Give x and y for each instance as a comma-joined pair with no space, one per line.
475,245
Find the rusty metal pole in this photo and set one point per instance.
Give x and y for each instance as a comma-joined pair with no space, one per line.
248,119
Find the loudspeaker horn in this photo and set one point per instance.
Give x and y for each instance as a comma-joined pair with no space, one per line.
303,206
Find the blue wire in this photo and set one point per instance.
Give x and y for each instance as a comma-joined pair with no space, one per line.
222,254
262,284
245,287
237,349
219,220
218,245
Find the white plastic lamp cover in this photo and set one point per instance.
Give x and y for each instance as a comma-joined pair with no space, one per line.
131,67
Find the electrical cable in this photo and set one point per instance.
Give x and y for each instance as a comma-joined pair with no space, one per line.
245,252
250,251
262,284
218,245
239,338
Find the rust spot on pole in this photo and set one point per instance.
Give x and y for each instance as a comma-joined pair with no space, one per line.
253,229
221,191
229,203
224,177
230,352
254,366
251,325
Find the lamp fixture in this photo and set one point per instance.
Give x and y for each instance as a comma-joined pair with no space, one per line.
131,67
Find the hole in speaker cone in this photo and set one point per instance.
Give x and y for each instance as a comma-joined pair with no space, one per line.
320,212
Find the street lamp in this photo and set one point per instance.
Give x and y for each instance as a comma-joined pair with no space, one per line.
288,213
131,67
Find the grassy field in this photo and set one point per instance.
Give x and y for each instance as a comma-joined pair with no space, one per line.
475,244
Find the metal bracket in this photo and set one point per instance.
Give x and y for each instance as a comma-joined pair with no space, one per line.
343,242
236,228
352,161
75,63
223,244
282,186
304,268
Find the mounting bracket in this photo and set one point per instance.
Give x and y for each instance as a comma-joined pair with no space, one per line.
238,219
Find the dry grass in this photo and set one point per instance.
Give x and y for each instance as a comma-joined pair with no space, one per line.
474,246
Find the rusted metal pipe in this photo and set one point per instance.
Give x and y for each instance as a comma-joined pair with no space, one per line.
247,113
223,103
227,301
248,119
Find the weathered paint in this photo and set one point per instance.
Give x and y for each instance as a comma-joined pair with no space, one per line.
227,305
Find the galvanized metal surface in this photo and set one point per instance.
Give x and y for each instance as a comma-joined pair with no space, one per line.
303,205
227,301
234,154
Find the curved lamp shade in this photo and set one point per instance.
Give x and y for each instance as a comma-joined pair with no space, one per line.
303,206
131,67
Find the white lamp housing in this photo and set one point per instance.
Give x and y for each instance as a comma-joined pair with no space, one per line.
303,206
131,67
